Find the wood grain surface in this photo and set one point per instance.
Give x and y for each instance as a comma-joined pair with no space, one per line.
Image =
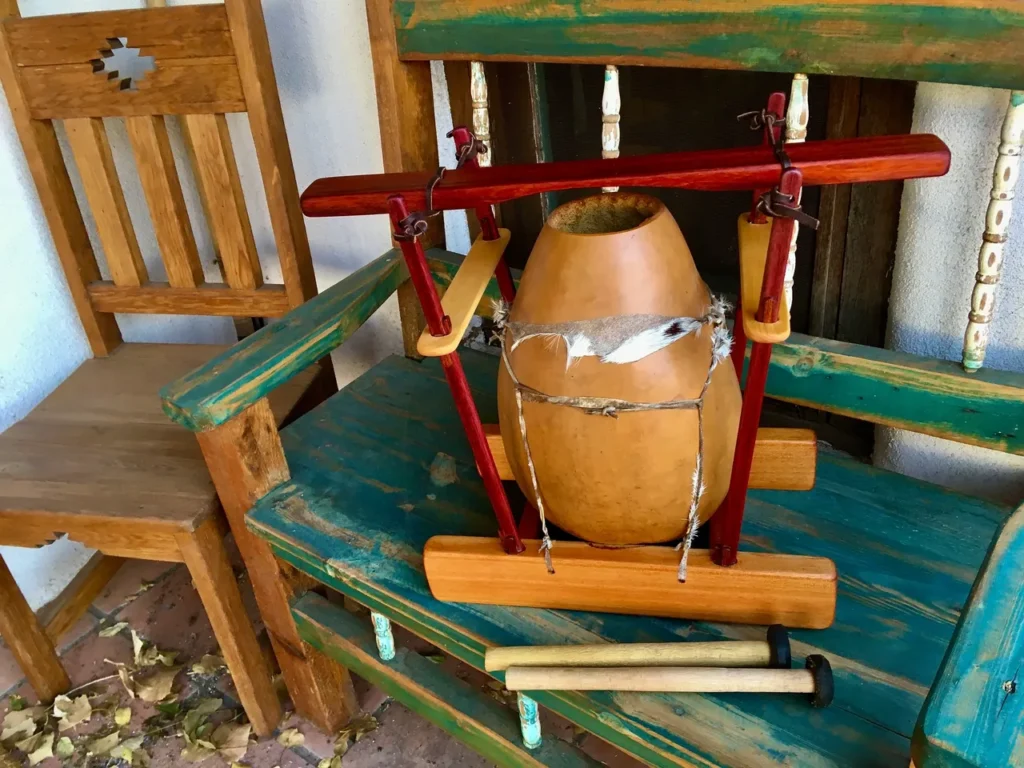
952,41
362,502
762,588
876,158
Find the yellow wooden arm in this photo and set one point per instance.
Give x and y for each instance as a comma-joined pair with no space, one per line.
753,254
463,295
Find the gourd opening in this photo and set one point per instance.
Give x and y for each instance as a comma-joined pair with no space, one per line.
605,214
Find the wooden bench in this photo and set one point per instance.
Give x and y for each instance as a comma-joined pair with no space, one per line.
928,633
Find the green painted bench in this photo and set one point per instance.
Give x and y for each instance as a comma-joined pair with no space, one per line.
357,502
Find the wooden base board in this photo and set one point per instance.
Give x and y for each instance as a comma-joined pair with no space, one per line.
762,588
784,459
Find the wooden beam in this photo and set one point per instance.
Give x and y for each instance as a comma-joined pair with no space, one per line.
246,460
209,299
761,588
61,613
877,158
953,41
784,459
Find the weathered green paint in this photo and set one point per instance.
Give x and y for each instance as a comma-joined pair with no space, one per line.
1017,98
253,368
974,715
952,41
360,505
919,394
428,689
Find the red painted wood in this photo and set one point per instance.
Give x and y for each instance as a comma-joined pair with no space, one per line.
777,107
419,272
470,418
845,161
529,523
779,243
485,215
728,519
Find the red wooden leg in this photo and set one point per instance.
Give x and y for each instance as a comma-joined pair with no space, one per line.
727,521
529,523
510,540
439,324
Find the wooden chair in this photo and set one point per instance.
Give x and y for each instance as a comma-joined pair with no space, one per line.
929,578
97,459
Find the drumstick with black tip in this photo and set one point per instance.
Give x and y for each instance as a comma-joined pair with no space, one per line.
815,680
772,652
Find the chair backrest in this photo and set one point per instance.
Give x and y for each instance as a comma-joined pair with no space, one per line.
197,61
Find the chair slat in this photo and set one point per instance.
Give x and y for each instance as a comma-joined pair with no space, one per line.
91,149
210,299
155,161
229,219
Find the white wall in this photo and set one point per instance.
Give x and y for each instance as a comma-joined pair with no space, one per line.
941,224
322,59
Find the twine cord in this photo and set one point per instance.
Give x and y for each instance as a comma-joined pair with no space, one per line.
605,406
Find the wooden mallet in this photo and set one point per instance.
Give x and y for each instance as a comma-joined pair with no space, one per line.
815,680
772,652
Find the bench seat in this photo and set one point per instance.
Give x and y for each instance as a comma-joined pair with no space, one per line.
362,501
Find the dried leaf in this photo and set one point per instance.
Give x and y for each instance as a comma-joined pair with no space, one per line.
21,724
291,738
209,665
148,655
437,657
123,716
138,644
330,762
41,748
158,685
6,761
207,706
233,765
114,629
104,744
126,749
17,703
194,753
71,712
64,748
232,740
141,758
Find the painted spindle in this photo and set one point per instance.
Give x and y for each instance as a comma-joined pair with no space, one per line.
611,105
993,242
797,116
385,638
529,721
481,116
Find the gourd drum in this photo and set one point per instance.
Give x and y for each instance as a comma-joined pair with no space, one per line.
608,477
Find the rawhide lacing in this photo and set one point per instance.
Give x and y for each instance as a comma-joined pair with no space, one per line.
618,340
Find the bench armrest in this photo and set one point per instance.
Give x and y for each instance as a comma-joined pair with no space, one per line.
974,714
253,368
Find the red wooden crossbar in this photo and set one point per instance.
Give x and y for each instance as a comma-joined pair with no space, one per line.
846,161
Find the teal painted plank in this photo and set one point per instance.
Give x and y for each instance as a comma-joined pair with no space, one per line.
952,41
974,715
253,368
920,394
429,690
362,503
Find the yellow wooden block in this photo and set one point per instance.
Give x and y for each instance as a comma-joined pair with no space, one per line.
463,295
753,254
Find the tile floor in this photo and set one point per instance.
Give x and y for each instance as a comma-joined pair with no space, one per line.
159,602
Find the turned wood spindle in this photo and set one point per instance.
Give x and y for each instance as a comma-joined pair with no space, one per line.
993,242
481,116
611,104
797,116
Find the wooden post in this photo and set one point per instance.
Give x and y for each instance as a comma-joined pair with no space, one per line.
405,110
246,460
993,242
797,117
611,105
